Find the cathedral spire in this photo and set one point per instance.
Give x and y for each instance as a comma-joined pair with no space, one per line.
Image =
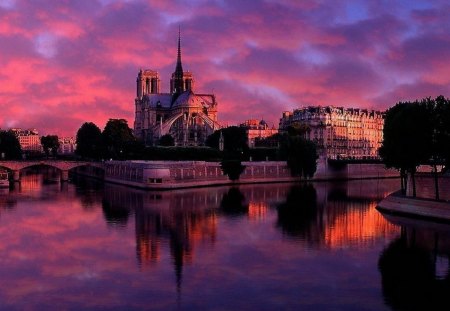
179,67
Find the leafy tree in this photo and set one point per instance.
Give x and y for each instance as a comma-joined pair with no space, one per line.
408,136
234,137
89,141
10,146
167,140
441,138
232,167
50,143
300,154
118,138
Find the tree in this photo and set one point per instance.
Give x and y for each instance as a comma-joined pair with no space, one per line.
50,143
167,140
235,140
9,146
232,167
300,154
441,132
118,138
407,138
89,141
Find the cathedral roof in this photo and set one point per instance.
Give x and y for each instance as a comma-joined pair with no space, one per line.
162,100
188,99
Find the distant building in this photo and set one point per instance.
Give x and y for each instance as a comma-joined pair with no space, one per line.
29,139
189,117
340,133
67,145
257,130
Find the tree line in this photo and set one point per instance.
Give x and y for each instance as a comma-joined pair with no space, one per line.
117,142
416,133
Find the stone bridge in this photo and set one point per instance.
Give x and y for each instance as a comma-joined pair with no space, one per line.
64,166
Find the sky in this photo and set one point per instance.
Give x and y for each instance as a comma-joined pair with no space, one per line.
66,62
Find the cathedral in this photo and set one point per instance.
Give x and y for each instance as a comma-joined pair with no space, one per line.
187,116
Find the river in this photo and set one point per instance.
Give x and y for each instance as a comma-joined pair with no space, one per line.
85,245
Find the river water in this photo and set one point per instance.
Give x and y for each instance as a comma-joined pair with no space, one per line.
85,245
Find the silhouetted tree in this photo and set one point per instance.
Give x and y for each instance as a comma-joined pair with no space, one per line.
89,141
167,140
300,153
118,138
9,146
50,144
235,140
233,168
407,137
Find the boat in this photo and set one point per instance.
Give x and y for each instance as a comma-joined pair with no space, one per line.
4,179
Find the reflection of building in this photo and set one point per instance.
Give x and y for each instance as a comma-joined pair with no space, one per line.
177,220
29,139
66,145
257,130
339,132
361,224
190,118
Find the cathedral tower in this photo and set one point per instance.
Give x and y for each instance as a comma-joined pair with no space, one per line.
181,81
147,82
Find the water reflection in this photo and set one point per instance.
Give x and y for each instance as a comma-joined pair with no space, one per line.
415,267
299,215
233,203
243,247
180,219
334,215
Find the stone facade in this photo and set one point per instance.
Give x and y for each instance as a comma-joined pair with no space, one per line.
187,116
29,139
67,145
257,130
340,133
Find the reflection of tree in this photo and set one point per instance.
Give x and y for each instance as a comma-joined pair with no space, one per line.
89,190
408,277
298,215
115,215
233,203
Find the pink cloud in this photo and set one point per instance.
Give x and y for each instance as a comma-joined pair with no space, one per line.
65,63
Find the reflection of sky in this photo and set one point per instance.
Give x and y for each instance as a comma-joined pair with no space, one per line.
57,253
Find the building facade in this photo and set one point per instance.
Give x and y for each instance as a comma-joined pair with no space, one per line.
29,139
187,116
258,130
67,145
340,133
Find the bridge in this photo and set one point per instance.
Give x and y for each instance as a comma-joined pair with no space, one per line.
64,166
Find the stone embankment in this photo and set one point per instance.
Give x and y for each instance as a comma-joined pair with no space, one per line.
183,174
424,205
415,207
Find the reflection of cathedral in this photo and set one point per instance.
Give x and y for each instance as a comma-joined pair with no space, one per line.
189,118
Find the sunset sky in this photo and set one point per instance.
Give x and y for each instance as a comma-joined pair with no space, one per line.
66,62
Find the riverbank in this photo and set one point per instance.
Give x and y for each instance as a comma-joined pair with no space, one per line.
397,204
161,175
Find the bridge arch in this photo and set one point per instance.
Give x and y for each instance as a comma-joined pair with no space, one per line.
64,166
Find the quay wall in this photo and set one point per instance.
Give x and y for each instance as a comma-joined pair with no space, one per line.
425,187
182,174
